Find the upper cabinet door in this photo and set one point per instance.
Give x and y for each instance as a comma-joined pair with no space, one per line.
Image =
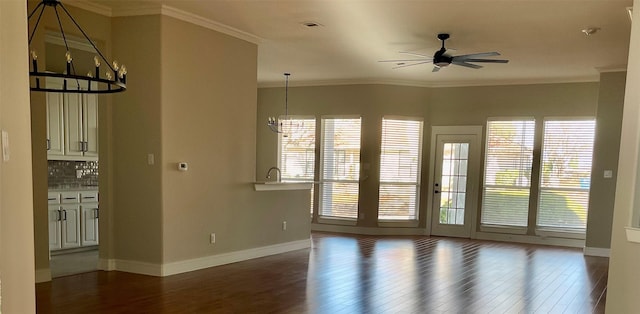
90,124
73,125
55,125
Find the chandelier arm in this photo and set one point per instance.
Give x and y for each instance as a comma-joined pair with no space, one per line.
88,39
70,67
37,22
34,10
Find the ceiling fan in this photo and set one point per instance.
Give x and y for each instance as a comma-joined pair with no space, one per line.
441,59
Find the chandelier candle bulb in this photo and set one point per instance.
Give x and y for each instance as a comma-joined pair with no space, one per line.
34,58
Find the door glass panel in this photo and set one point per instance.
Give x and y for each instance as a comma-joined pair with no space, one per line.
454,183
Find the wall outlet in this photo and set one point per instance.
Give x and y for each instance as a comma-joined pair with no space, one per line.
212,238
284,225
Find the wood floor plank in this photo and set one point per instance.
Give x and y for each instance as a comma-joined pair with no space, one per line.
355,274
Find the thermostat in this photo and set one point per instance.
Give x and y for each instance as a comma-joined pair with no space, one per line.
183,166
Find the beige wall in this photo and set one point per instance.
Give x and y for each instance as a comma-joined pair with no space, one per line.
208,120
624,273
191,98
135,212
438,107
16,206
607,140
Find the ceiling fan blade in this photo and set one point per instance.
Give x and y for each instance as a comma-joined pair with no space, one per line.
478,55
408,65
407,60
485,60
468,65
435,69
415,54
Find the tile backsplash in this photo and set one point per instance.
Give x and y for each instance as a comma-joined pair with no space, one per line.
71,174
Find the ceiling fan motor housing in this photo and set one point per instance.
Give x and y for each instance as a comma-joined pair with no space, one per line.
440,59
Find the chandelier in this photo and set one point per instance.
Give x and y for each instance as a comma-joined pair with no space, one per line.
112,80
285,125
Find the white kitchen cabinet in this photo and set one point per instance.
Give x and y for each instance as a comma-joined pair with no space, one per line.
70,225
64,226
55,225
55,125
89,214
72,126
73,219
89,224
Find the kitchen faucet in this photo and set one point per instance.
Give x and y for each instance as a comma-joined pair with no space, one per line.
279,177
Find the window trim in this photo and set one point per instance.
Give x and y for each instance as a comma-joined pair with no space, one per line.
495,227
318,208
409,222
573,233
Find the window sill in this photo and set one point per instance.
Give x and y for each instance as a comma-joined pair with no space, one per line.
337,221
398,223
633,234
503,229
555,233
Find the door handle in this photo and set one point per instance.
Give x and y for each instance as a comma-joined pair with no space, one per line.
48,144
97,212
65,215
59,218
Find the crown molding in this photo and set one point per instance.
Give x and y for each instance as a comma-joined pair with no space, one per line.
586,79
617,68
157,9
210,24
91,7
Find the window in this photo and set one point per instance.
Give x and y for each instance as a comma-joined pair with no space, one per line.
297,151
400,156
565,174
340,173
507,177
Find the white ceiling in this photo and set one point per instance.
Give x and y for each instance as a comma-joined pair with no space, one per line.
541,38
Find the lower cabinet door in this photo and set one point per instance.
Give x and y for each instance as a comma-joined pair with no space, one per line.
55,232
89,224
70,226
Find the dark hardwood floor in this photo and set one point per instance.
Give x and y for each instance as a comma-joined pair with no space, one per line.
355,274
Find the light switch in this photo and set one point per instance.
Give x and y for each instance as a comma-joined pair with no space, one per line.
151,159
608,174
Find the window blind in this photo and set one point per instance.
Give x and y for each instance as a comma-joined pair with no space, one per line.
565,174
297,151
507,177
400,156
340,172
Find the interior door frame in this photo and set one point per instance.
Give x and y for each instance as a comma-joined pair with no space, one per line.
475,130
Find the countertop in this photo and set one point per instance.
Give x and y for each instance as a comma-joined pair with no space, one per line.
74,188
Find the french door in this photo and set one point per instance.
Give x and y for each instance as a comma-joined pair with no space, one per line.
455,180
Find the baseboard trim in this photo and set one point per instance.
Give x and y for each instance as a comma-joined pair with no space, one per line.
43,275
232,257
576,243
368,230
161,270
597,251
